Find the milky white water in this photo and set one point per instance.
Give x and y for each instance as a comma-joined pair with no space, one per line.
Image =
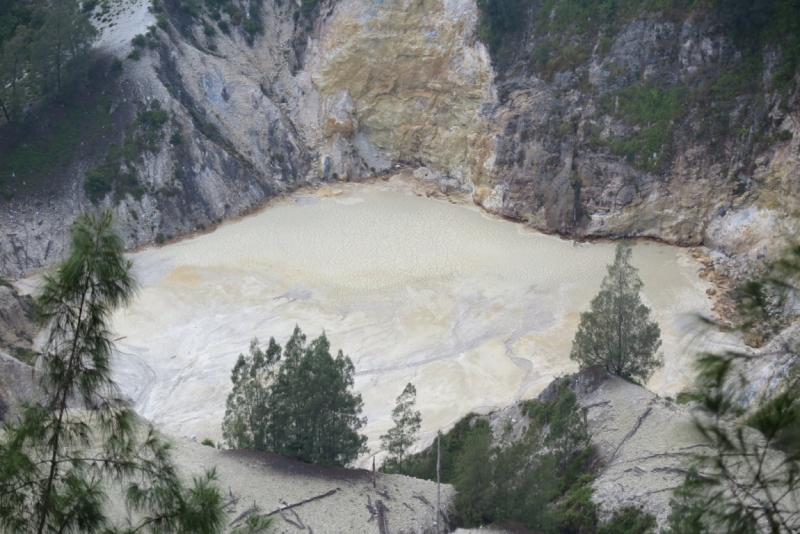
475,312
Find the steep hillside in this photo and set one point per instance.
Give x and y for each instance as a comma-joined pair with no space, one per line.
189,137
653,118
647,118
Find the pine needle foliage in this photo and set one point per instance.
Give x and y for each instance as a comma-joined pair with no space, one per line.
247,413
399,439
617,332
746,480
296,402
63,456
61,50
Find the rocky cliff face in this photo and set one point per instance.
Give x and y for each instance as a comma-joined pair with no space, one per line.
715,177
401,80
561,144
226,148
553,135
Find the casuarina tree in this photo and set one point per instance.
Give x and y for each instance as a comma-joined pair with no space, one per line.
617,331
405,431
65,453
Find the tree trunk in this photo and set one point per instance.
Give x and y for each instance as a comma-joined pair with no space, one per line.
57,434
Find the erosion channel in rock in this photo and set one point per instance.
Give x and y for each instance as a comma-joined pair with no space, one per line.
476,312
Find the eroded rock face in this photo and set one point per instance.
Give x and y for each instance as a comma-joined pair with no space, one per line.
363,86
408,75
235,147
17,328
728,191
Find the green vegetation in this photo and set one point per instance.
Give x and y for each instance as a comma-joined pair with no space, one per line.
655,112
296,402
561,23
548,58
110,176
744,479
118,172
46,148
140,41
115,69
685,397
502,21
45,56
578,23
564,34
12,64
539,480
617,332
308,7
58,464
629,520
25,355
405,431
60,50
255,524
14,14
757,23
247,415
576,513
207,442
226,14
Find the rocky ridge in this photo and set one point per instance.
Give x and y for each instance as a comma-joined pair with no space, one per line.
360,87
722,189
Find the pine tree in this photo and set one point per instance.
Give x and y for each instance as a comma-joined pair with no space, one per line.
62,45
745,479
324,415
304,410
399,439
247,414
617,332
58,462
285,398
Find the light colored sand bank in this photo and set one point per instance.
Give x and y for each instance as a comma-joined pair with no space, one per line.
476,312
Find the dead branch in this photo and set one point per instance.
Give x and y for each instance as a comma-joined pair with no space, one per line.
596,404
371,509
283,516
629,435
244,515
383,523
318,497
423,499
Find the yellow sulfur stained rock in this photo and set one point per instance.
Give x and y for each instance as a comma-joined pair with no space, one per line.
417,78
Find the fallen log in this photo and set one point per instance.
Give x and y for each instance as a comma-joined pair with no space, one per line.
318,497
383,523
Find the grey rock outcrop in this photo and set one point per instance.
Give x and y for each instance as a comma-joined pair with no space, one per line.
362,86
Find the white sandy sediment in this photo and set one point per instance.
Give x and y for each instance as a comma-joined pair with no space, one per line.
476,312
